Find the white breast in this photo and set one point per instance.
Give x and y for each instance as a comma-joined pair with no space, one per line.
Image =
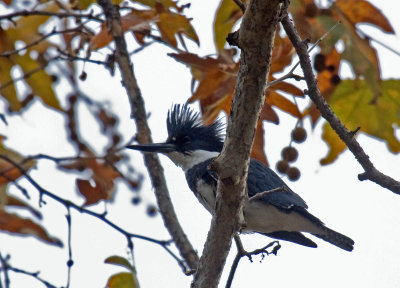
205,195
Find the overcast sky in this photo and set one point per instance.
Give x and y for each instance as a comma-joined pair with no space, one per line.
361,210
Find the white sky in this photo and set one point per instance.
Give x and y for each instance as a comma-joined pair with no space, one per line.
362,210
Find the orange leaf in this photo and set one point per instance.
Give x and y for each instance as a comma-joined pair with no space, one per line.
130,22
15,224
171,24
288,88
257,151
325,77
217,78
275,99
358,11
282,54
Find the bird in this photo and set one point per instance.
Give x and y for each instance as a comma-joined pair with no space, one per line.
281,214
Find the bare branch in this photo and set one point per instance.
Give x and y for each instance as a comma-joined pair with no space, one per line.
25,13
138,112
291,74
68,204
255,39
40,39
371,173
7,267
241,252
258,196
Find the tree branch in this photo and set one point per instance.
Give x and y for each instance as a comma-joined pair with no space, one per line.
371,173
68,204
241,253
255,39
144,136
7,267
26,13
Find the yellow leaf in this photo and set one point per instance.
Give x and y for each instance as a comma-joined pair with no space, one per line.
8,92
353,102
122,280
84,4
40,82
171,24
228,13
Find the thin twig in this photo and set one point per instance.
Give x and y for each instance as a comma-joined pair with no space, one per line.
25,13
67,203
371,173
241,252
70,262
32,274
27,74
5,267
367,36
37,41
291,74
262,194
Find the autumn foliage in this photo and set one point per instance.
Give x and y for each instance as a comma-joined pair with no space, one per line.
34,40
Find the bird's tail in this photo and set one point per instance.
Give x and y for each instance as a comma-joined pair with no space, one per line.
335,238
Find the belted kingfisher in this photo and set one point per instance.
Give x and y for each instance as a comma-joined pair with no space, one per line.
283,215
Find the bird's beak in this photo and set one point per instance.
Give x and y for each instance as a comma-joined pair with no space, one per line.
154,147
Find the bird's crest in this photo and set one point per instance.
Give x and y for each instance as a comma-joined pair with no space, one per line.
184,122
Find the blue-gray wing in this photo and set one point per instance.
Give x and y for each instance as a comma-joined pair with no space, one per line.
262,178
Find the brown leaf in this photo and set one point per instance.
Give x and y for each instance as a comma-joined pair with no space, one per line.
15,202
15,224
275,99
91,194
268,114
282,54
361,11
8,172
288,88
103,177
172,24
130,22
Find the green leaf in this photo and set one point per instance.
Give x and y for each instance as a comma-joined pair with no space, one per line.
120,261
354,103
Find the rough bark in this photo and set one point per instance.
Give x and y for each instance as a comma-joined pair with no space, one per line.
255,39
138,113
